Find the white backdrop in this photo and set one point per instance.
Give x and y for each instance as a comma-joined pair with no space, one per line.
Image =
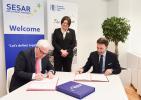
2,61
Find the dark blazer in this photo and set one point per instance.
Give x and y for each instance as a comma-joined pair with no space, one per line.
111,62
25,67
59,43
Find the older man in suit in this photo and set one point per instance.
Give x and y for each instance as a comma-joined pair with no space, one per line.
31,64
102,60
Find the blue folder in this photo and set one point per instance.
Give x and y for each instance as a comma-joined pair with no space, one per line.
75,89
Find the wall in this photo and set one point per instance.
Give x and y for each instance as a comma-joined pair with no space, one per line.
91,14
135,35
112,8
131,9
90,17
2,59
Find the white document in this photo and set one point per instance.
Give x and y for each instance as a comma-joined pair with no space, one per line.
83,77
43,85
99,77
91,77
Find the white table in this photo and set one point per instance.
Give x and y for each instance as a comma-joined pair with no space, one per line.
112,90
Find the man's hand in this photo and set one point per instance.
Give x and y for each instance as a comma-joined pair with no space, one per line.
79,71
108,72
39,76
50,75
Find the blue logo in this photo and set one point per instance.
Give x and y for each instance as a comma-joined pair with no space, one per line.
54,7
16,8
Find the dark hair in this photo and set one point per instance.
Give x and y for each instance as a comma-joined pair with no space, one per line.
103,41
66,18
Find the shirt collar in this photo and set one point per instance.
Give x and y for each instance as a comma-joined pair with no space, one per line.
104,54
64,32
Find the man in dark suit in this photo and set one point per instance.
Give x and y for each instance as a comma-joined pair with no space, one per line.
32,64
102,60
64,41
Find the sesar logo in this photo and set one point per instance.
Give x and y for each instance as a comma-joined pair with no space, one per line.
16,8
73,88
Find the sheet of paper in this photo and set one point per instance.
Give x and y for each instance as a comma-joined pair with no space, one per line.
83,77
44,85
99,77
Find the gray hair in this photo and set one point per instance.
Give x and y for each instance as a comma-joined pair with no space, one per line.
44,43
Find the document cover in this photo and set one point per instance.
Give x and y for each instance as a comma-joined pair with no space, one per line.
75,89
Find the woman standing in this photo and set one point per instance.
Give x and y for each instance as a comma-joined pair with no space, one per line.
63,40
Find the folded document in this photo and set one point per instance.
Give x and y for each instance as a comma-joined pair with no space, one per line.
91,77
43,85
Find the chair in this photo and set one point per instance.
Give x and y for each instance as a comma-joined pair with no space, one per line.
10,72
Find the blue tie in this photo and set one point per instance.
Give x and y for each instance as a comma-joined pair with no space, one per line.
100,63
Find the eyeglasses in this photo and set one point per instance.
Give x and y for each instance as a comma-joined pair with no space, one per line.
42,52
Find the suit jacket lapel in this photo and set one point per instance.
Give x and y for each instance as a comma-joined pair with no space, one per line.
106,60
33,58
60,35
97,58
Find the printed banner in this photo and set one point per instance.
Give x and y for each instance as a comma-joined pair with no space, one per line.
56,10
23,26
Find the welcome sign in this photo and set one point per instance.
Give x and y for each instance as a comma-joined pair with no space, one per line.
23,26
